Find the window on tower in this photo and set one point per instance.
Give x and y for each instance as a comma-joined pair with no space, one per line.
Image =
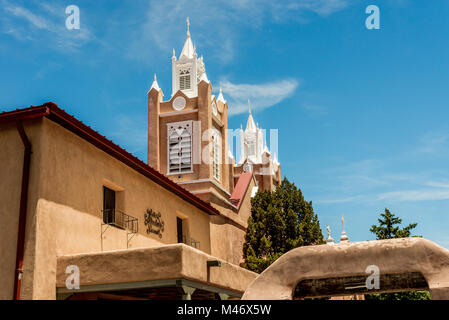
184,80
251,147
216,154
180,147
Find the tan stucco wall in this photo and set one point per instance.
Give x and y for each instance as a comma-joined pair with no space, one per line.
228,237
393,256
62,230
167,262
73,162
65,202
11,158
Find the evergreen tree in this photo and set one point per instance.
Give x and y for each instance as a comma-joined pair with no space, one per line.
280,221
389,228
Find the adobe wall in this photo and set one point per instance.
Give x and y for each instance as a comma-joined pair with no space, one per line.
65,201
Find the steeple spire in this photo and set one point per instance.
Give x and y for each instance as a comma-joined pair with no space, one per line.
188,50
250,125
188,27
155,85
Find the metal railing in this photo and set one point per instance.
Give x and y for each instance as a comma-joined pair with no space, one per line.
191,242
120,220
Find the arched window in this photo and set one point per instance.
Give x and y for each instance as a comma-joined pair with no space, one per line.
180,147
216,154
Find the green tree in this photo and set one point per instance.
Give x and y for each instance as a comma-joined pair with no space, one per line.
389,228
280,221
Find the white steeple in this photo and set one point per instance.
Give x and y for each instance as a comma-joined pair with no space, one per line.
188,70
252,147
188,50
250,125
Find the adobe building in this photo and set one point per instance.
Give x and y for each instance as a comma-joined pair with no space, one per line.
173,228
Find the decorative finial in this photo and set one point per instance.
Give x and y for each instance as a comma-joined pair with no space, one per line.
329,239
344,237
188,26
155,78
174,53
249,104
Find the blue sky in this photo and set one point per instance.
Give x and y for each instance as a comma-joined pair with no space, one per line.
362,114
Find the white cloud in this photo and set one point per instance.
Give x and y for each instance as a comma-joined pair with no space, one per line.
434,142
37,21
43,23
262,96
415,195
217,24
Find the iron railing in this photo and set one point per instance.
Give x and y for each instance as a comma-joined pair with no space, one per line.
120,220
191,242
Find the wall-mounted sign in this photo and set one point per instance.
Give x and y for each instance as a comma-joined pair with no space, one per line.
154,222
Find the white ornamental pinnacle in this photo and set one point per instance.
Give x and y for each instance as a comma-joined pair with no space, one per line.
344,237
188,26
188,50
220,97
250,125
329,239
155,85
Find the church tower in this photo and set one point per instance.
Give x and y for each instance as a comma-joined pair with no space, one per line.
187,135
188,142
256,158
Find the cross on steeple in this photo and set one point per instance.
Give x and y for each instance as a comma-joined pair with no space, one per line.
188,26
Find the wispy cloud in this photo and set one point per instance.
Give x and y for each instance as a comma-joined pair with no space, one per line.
130,132
43,23
262,96
434,142
315,110
217,24
415,195
369,181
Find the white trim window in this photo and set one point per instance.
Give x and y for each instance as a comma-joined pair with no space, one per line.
184,79
179,147
216,154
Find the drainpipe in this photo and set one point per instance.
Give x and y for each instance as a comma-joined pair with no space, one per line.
22,211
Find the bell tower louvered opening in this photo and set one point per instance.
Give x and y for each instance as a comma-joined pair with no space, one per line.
180,147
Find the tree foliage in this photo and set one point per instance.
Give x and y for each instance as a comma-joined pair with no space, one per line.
280,221
389,228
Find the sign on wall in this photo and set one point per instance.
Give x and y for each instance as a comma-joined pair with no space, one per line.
154,222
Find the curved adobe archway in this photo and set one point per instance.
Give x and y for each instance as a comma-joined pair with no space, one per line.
394,256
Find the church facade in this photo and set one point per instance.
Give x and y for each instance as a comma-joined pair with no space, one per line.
81,218
188,137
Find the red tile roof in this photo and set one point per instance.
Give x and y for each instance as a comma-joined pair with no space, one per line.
240,189
51,111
